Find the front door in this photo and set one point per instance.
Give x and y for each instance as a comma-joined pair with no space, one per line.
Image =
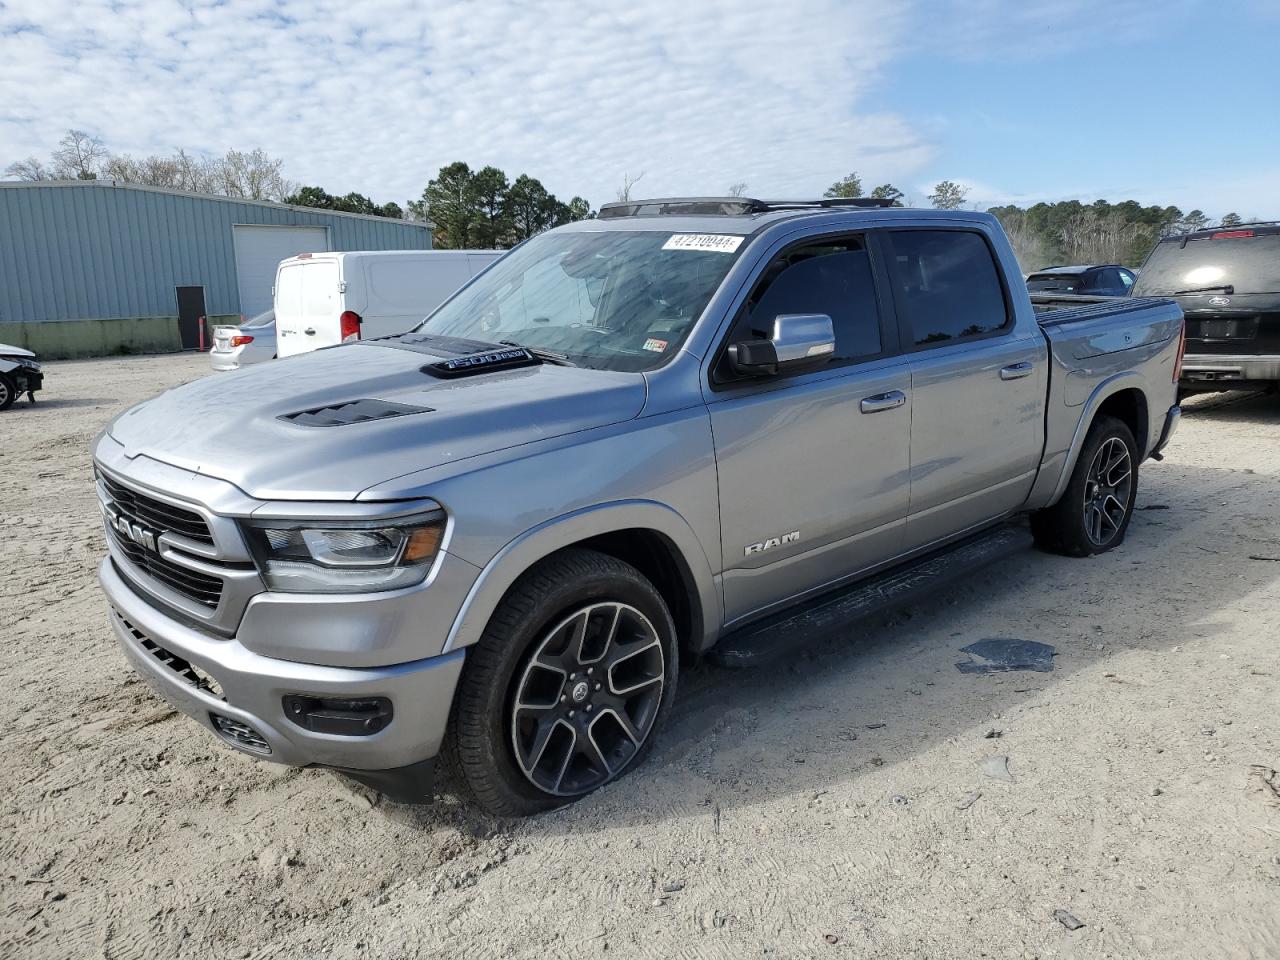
190,316
977,383
813,468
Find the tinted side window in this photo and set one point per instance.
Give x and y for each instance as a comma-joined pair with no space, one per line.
833,278
1127,278
947,284
1108,281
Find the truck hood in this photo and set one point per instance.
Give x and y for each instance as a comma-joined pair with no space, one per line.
229,426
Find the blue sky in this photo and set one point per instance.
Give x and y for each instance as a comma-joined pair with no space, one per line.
1168,102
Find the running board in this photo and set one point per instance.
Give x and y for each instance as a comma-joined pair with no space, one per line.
766,640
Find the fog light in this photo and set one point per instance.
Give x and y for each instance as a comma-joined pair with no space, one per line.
340,716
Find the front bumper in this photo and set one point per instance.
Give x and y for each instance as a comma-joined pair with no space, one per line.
248,690
28,380
1208,368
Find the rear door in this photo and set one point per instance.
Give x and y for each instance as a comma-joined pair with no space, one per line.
977,383
308,304
812,467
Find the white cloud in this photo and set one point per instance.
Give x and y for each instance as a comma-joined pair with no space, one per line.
375,96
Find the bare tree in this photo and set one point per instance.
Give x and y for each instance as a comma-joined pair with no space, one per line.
738,189
28,169
1090,237
1028,246
628,181
253,176
79,156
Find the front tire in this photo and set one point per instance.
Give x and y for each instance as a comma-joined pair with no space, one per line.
8,391
1093,514
567,687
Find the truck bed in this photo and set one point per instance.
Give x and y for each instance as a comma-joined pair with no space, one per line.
1069,307
1099,345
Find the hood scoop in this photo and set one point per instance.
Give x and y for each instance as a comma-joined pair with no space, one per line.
352,411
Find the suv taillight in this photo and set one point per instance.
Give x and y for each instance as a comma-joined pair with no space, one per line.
349,325
1182,349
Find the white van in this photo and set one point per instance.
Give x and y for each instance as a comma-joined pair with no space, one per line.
326,298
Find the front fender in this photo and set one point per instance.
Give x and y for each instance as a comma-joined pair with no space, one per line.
541,541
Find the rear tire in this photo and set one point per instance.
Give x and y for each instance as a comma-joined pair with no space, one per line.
583,632
8,391
1093,514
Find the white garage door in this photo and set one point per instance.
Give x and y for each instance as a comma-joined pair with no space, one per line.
259,251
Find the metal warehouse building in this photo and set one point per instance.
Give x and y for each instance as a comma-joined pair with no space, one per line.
95,267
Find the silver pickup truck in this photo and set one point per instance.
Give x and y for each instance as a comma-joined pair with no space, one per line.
492,540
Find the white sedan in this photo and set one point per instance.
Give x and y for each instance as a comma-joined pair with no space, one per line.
251,342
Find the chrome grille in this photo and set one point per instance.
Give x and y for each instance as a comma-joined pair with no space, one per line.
156,513
201,588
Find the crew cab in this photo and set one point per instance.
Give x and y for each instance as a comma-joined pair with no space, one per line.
1227,280
632,440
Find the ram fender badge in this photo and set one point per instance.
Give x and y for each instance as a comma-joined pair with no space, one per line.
763,545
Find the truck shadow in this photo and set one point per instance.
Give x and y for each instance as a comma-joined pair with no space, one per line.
887,689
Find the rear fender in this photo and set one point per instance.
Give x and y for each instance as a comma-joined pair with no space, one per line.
1055,472
565,531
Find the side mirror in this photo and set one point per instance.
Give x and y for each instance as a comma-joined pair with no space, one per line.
799,340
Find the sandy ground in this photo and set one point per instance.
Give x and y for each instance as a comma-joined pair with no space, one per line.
813,811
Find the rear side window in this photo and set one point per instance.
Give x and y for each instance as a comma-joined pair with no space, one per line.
1248,260
832,277
946,284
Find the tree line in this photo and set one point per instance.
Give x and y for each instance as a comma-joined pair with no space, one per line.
485,209
1067,232
250,175
1071,232
480,208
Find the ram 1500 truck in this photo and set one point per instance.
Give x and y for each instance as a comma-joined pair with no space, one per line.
492,539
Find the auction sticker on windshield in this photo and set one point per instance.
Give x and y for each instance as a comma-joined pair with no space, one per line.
714,242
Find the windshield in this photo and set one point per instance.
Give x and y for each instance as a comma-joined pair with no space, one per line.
617,300
1250,264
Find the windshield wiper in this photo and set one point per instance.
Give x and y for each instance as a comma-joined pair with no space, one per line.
547,355
1226,288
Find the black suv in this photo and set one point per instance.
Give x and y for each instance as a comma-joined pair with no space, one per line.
1227,281
1097,280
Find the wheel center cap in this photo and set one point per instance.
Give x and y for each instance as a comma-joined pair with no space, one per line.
580,691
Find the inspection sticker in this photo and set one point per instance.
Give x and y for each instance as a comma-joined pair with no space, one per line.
654,345
713,242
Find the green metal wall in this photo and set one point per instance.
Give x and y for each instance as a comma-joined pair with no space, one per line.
72,252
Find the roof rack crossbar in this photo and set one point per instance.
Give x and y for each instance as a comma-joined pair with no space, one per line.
727,206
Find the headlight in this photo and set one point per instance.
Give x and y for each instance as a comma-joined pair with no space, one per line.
299,556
